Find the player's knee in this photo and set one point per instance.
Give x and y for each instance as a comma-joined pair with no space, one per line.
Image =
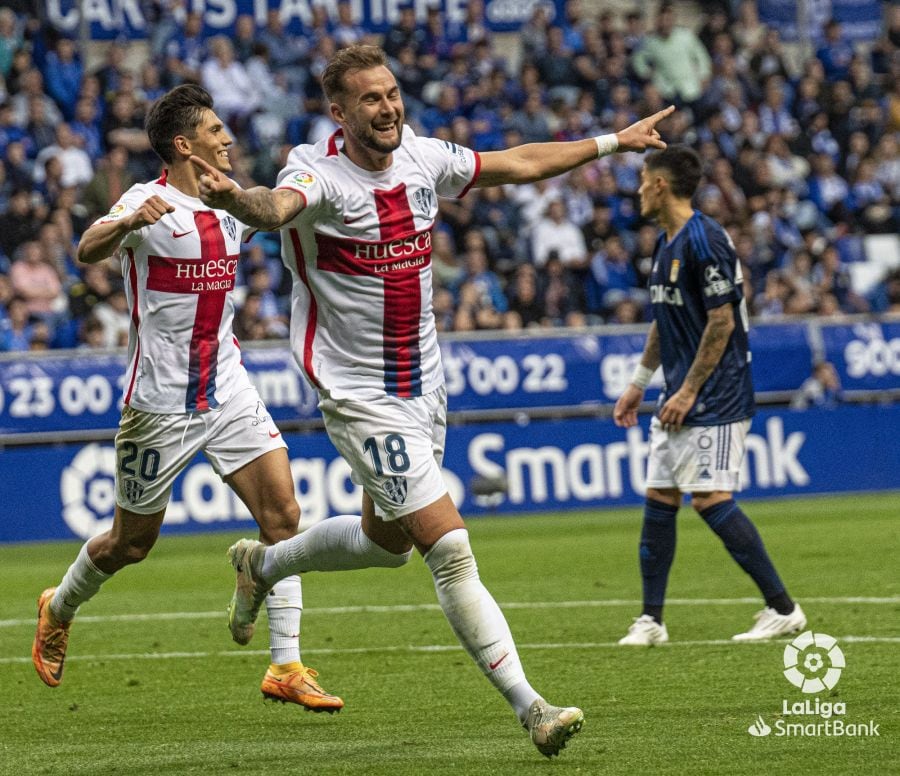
133,552
279,521
450,558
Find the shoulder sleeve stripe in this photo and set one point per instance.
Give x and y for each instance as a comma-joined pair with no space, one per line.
474,176
698,240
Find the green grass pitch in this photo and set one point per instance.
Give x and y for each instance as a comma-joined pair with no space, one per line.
154,685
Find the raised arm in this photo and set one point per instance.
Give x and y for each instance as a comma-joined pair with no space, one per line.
536,161
101,240
719,325
260,207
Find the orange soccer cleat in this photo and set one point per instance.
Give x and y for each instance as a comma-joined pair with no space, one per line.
295,683
48,653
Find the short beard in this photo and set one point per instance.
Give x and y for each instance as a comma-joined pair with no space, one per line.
370,140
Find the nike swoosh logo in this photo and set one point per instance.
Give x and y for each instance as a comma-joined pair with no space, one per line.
494,665
355,218
58,673
274,436
176,235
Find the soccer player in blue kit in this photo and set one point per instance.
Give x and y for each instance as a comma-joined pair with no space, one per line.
699,336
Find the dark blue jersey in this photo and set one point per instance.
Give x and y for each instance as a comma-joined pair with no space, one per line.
694,273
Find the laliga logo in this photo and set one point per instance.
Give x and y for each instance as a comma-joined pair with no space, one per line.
813,662
88,492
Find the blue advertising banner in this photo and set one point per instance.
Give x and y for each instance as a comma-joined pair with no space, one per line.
66,491
861,20
82,390
108,19
866,355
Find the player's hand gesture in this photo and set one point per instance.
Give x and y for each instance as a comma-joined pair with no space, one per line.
625,411
151,210
643,134
216,188
676,408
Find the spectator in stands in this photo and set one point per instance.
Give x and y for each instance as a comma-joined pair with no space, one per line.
77,169
114,314
16,329
530,122
10,40
821,389
86,127
557,234
63,72
346,31
185,51
31,90
111,180
235,95
562,296
18,223
674,58
37,281
289,53
525,307
836,53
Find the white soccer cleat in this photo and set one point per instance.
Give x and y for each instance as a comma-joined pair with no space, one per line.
249,592
550,727
770,625
645,632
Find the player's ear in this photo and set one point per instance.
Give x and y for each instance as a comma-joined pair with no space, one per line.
182,145
337,112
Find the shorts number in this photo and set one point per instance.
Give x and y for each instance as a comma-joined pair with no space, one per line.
394,448
149,463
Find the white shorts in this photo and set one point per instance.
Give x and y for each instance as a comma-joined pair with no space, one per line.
394,447
152,449
697,459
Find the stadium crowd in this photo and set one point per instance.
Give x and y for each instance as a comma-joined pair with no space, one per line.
801,162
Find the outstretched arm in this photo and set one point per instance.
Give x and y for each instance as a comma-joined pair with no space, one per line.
101,240
536,161
260,207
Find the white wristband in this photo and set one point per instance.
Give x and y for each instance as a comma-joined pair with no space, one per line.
642,376
606,145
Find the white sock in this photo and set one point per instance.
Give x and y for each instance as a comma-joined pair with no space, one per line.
335,544
476,619
284,603
81,582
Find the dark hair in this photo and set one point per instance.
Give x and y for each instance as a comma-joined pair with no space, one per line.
683,165
177,112
349,60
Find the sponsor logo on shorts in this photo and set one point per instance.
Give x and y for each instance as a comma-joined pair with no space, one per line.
395,487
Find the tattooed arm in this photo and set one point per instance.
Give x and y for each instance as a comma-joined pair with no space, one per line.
260,207
719,325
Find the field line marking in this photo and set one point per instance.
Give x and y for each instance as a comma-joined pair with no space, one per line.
400,608
427,648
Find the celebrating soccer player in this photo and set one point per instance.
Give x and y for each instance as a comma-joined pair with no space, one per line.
185,390
356,212
699,335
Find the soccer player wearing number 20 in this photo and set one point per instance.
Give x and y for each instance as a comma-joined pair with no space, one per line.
356,212
699,336
185,389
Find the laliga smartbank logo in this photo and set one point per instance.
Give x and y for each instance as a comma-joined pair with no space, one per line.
813,662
